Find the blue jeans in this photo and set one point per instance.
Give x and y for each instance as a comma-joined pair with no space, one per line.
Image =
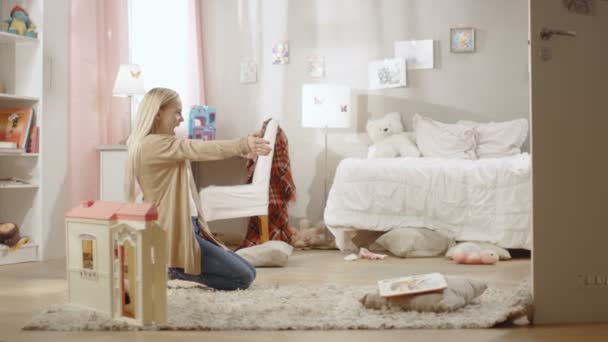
220,269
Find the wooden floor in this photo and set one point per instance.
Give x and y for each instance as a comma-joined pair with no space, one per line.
27,289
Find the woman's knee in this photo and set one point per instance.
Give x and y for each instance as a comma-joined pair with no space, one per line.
244,278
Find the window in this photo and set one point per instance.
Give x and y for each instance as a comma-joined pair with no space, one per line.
88,251
162,40
87,254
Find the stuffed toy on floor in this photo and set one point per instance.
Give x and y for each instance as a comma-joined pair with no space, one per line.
317,237
389,138
471,253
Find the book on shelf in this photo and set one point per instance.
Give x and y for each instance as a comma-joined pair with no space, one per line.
412,285
15,125
33,146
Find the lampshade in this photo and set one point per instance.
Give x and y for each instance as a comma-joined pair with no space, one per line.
129,81
325,105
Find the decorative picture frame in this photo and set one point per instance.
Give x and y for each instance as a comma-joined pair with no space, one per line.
387,73
280,52
418,54
462,40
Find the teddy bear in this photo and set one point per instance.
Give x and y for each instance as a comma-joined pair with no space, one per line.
389,138
318,237
471,253
20,23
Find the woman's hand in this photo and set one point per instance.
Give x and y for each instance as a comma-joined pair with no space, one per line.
258,145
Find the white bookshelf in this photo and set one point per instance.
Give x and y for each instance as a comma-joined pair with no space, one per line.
16,101
9,38
21,71
28,252
19,155
18,186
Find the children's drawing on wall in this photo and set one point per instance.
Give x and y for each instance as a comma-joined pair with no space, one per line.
387,73
418,54
462,39
249,71
315,66
280,53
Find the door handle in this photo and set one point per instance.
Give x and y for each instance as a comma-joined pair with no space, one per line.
546,33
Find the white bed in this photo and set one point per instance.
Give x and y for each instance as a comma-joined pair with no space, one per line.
467,200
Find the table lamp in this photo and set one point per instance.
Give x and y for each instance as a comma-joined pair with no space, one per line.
325,106
129,82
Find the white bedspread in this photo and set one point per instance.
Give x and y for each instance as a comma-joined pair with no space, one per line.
473,200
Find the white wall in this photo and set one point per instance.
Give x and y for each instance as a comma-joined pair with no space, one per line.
491,84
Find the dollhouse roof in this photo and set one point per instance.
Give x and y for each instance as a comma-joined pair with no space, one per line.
137,212
107,211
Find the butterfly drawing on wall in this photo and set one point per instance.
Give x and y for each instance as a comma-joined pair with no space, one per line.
319,100
343,108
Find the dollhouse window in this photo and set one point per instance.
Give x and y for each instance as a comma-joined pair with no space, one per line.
88,251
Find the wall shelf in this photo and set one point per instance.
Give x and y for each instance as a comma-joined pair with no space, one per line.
15,101
20,155
9,38
27,253
18,186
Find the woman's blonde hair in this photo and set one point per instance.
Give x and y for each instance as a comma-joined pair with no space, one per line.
152,102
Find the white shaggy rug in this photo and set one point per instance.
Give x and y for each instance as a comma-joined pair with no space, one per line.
294,307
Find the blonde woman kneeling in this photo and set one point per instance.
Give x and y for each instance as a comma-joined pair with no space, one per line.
160,163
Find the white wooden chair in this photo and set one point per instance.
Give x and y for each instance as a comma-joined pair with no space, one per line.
226,202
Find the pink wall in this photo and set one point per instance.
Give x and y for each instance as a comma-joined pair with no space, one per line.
98,44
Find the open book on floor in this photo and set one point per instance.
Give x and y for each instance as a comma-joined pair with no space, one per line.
412,285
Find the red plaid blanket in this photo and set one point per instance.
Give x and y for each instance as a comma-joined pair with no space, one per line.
282,191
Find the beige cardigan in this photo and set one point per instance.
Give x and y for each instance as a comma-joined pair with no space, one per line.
162,177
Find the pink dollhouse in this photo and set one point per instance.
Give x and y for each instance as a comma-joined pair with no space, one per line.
116,260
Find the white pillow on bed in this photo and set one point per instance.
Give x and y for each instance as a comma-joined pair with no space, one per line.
442,140
499,139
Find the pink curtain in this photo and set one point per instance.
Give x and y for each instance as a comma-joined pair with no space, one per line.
98,45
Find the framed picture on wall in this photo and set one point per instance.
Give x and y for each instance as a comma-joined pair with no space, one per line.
387,73
462,39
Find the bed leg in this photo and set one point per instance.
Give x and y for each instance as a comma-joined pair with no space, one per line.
264,228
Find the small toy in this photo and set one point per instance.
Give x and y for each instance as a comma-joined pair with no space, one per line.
318,237
201,123
20,23
470,253
11,237
116,261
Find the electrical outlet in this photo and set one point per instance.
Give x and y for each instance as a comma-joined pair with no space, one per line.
593,280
